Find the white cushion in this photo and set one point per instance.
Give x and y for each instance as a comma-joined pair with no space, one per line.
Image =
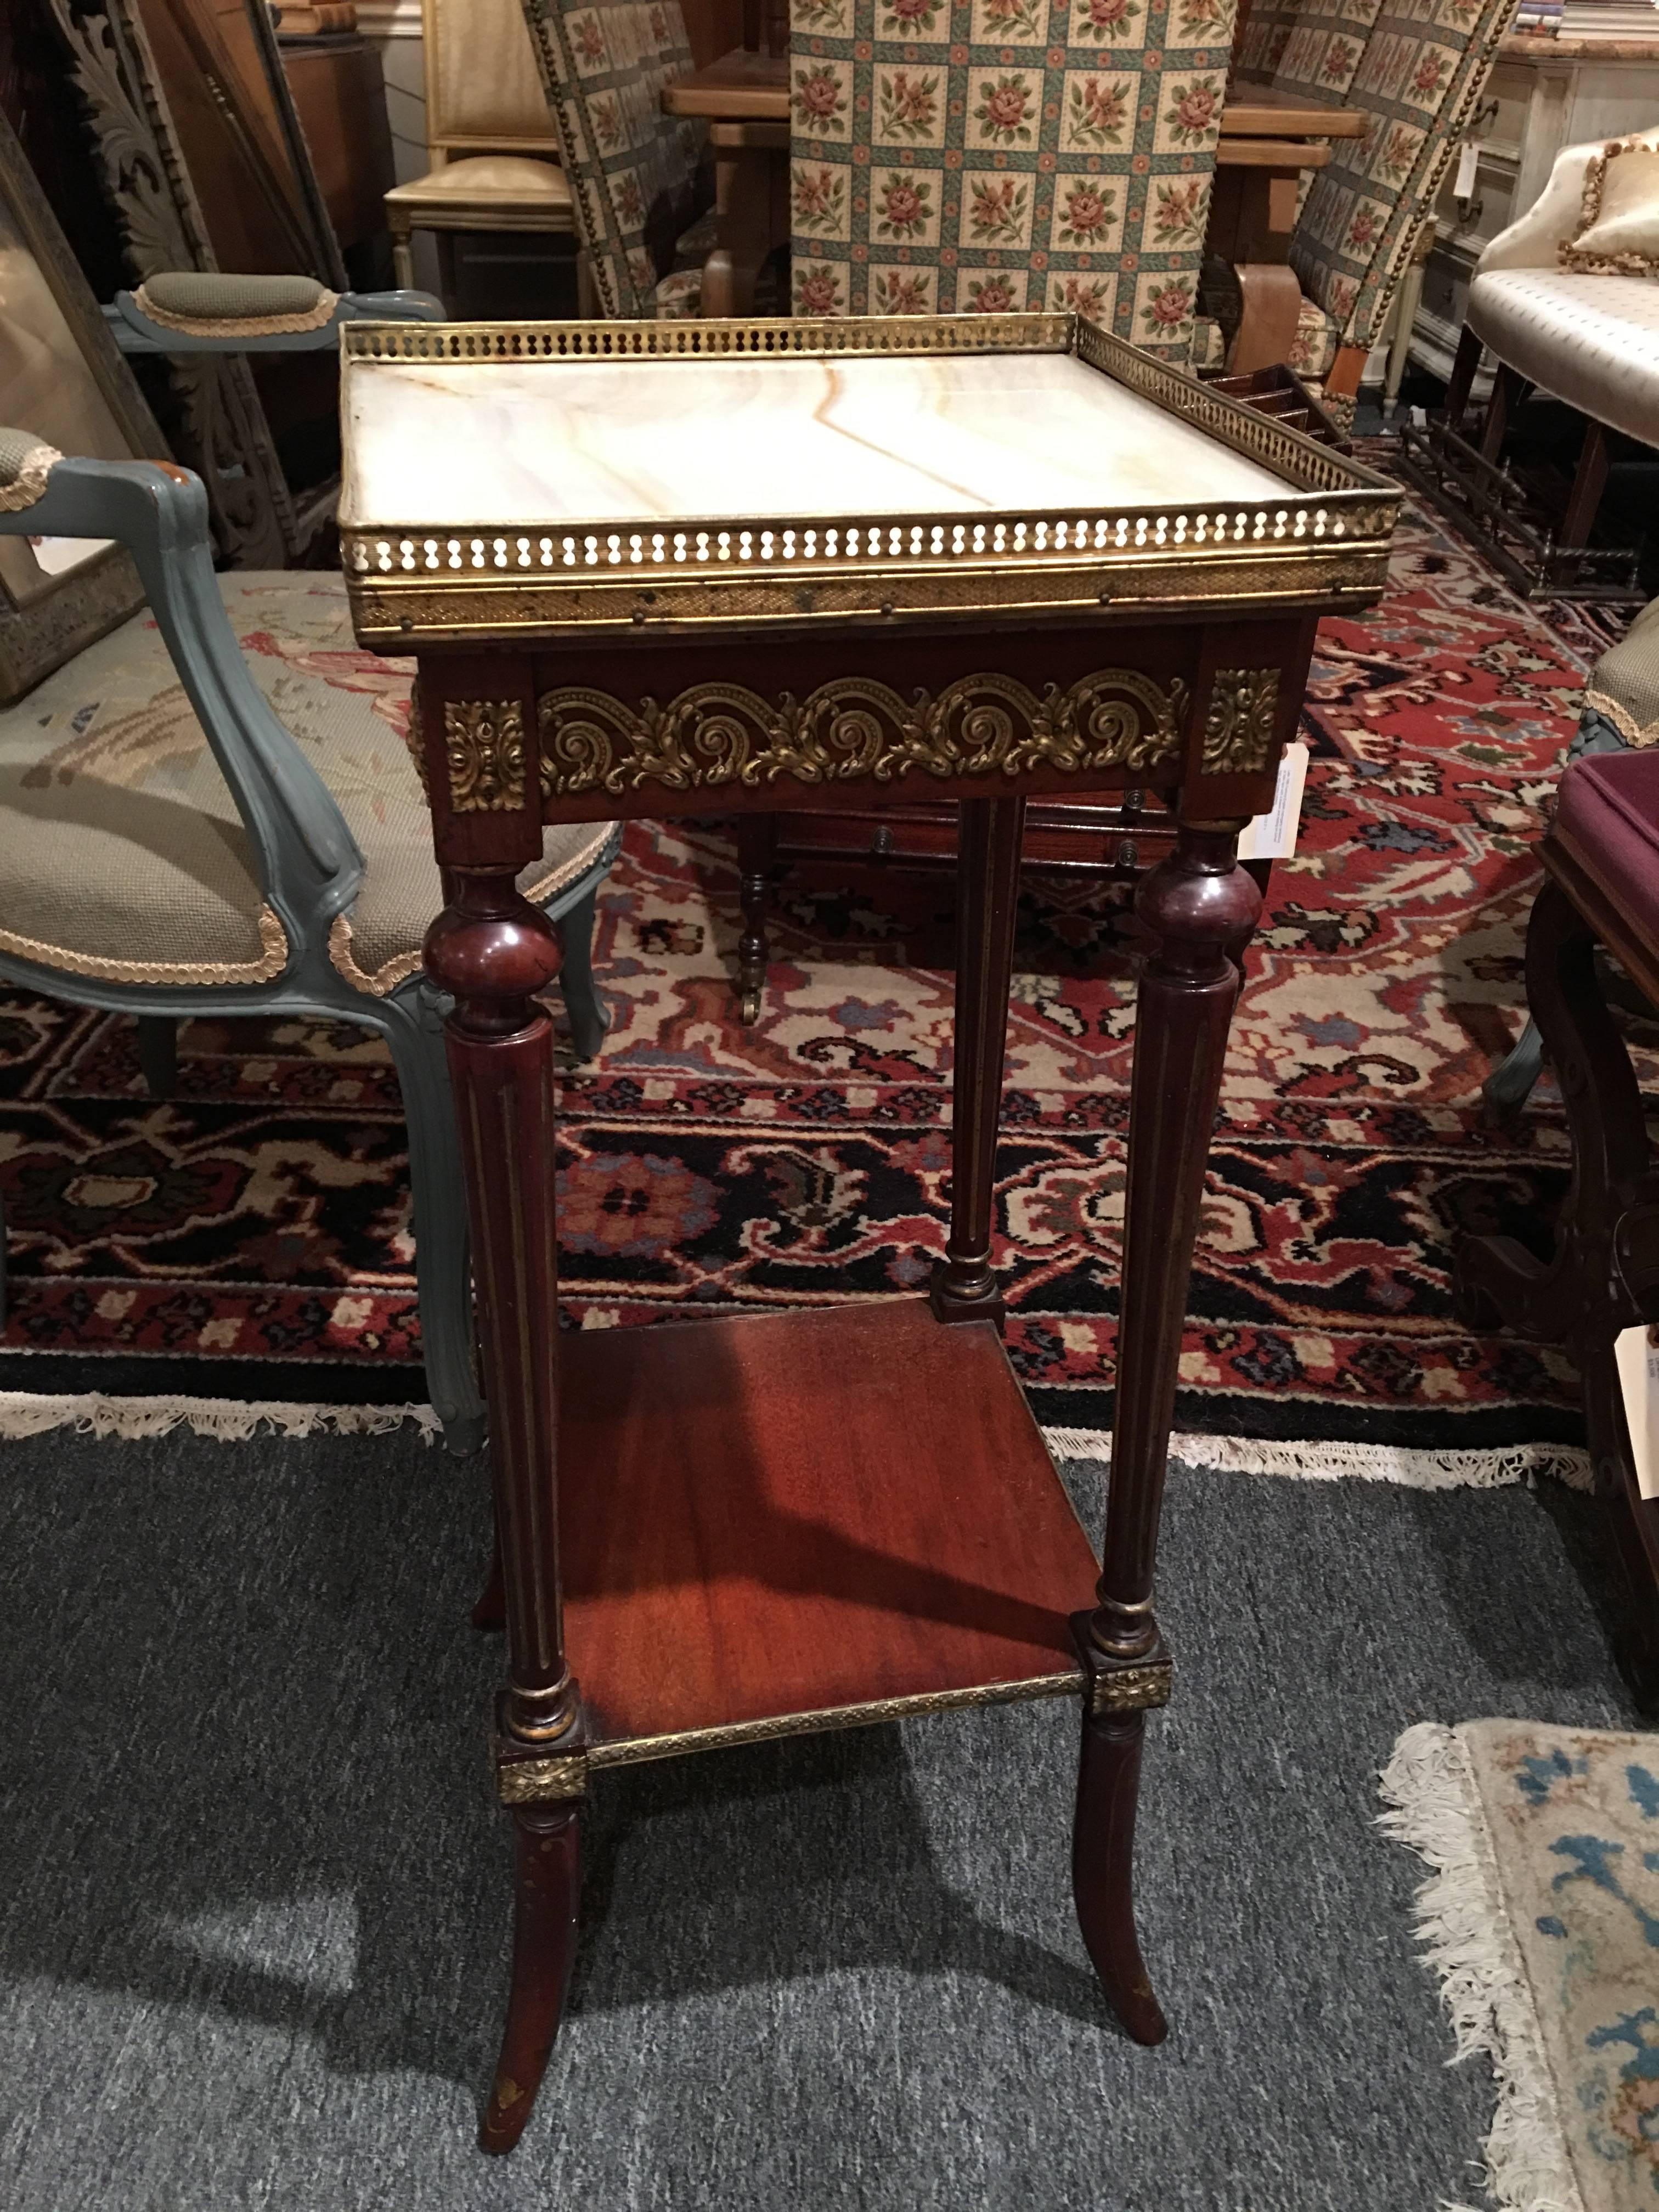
1592,341
485,181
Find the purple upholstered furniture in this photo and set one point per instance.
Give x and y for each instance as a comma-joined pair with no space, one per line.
1601,887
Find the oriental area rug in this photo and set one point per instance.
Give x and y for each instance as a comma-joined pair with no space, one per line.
1542,1920
248,1238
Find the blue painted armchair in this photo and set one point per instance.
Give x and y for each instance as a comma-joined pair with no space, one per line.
212,810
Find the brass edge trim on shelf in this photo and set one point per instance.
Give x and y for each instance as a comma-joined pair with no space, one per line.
634,1751
1138,1689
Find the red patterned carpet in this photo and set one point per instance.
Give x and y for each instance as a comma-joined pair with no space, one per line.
250,1236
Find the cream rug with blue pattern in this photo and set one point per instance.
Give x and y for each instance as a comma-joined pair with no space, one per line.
1541,1919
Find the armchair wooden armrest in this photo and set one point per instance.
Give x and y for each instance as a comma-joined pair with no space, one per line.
187,313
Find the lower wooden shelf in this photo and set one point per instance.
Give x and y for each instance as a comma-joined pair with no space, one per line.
805,1521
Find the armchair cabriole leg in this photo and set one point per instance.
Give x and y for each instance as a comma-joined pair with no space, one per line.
964,1282
493,951
1200,906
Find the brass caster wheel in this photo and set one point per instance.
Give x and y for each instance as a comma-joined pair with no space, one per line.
748,1008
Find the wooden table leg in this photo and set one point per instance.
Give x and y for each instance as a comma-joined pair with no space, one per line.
493,951
964,1282
1197,903
757,847
743,202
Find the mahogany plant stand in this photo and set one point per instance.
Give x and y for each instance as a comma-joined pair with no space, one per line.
741,1528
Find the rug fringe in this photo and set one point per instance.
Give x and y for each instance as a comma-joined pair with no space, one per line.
232,1420
1492,1469
1435,1808
29,1413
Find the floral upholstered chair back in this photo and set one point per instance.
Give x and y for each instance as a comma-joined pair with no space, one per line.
996,155
1420,79
1320,58
633,170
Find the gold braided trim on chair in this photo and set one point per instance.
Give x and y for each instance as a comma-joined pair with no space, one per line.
399,969
26,462
384,978
270,963
1584,262
207,306
1640,734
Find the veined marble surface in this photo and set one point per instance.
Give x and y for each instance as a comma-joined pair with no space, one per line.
432,446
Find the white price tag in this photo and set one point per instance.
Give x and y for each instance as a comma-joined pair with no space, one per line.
1468,169
1637,1358
1271,835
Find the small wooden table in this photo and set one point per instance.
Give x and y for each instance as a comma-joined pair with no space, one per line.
743,97
679,568
1269,143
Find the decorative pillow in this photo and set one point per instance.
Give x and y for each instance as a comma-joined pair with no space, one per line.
1618,233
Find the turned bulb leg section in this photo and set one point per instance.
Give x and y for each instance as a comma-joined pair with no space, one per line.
547,1897
1102,1869
1197,904
964,1282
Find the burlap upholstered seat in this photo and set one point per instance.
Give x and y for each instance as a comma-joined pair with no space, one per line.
122,854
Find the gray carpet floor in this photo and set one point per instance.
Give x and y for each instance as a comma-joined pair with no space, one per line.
253,1894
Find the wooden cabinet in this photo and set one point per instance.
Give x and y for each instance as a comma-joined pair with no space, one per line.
340,98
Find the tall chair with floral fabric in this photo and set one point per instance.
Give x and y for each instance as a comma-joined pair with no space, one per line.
1061,157
1420,80
638,182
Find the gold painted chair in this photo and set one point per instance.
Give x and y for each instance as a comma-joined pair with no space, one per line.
495,154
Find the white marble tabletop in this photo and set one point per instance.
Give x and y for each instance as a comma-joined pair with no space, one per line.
516,445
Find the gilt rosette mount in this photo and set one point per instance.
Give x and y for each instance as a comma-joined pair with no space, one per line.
794,474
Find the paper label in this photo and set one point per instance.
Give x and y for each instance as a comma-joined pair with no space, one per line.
1637,1352
1468,169
56,556
1271,835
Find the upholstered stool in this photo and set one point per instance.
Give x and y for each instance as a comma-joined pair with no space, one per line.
1621,709
1602,889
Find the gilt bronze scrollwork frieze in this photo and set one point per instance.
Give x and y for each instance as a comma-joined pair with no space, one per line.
1239,729
484,743
723,734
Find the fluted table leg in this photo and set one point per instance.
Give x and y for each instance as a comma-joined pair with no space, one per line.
493,951
964,1284
1197,903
